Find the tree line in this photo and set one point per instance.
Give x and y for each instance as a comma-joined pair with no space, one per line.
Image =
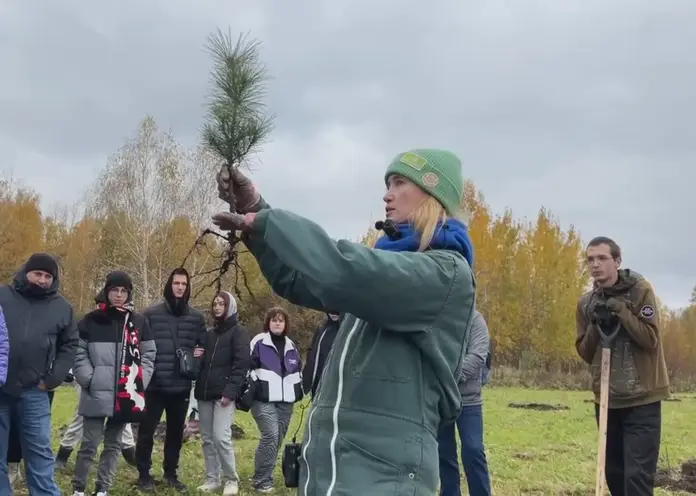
148,206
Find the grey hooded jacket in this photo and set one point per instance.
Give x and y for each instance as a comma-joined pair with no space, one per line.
473,361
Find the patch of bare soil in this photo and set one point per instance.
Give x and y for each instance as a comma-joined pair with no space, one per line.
540,407
685,481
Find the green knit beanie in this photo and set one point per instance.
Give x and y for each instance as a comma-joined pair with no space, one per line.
437,172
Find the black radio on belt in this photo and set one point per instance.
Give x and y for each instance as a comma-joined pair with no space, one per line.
291,464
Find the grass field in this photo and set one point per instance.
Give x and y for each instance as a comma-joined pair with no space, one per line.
530,452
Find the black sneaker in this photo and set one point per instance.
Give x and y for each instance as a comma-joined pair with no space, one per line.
146,483
129,455
174,482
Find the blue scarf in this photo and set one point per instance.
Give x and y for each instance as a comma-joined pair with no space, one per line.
452,235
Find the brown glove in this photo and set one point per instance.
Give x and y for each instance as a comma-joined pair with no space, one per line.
235,184
233,222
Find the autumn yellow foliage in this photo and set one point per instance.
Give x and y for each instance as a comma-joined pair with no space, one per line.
529,277
529,274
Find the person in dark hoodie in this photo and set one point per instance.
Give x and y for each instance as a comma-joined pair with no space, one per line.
319,349
177,328
225,363
43,341
624,300
114,364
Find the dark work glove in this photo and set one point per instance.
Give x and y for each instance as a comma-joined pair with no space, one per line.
614,305
603,315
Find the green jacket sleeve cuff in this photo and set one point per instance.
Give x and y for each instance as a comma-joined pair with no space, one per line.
258,227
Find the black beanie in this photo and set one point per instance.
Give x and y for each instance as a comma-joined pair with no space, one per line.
117,279
42,261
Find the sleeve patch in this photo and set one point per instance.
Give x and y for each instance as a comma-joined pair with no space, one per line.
647,311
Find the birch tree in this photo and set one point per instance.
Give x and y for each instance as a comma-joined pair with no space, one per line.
145,191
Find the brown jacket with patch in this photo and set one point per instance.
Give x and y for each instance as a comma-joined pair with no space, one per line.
638,369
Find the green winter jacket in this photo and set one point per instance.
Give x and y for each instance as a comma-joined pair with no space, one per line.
391,376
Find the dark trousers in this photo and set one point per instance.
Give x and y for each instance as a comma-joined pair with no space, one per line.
633,447
175,407
470,427
14,448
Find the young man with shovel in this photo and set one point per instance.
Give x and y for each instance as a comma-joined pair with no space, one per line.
620,315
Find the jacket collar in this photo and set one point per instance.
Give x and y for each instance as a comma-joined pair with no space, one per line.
267,341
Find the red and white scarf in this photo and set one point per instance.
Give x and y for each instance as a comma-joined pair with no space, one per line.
130,394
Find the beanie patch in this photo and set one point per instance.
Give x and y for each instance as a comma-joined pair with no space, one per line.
413,160
430,179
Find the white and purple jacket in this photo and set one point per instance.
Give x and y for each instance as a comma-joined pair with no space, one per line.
279,380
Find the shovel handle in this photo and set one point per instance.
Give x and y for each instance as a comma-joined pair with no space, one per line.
603,418
606,339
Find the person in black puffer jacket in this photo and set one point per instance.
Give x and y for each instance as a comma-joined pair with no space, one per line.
169,390
224,367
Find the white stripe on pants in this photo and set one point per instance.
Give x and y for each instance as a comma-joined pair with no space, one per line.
216,433
73,434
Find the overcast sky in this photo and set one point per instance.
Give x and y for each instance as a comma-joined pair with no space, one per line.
583,106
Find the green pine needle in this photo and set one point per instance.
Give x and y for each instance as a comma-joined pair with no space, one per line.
237,123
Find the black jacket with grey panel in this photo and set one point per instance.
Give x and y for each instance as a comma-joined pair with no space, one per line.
42,334
473,362
99,357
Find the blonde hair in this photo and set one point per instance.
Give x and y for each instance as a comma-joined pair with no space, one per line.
425,219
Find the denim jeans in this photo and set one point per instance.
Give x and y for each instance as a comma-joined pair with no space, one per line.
33,409
14,451
470,427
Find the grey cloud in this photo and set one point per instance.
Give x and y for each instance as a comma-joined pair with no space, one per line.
582,106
